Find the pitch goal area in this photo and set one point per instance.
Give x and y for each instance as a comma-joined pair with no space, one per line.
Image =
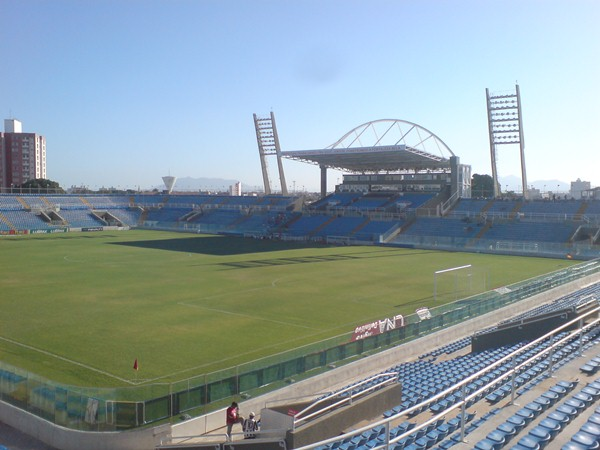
458,282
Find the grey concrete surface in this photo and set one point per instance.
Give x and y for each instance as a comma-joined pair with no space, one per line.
13,439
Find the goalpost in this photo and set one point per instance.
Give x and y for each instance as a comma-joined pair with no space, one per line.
456,282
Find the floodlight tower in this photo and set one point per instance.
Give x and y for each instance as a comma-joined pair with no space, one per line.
505,127
268,144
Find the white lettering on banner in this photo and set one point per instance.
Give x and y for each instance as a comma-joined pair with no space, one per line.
377,327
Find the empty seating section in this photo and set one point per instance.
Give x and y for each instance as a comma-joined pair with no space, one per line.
592,208
531,231
339,199
66,202
306,225
128,217
263,224
579,298
106,201
435,371
10,203
166,215
79,218
575,299
33,201
5,224
225,217
254,215
357,217
341,226
470,206
542,433
375,228
503,207
371,202
406,201
148,200
426,226
25,220
561,207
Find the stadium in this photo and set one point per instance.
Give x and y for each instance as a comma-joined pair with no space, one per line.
399,311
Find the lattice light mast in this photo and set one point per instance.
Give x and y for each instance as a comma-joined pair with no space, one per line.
268,144
505,127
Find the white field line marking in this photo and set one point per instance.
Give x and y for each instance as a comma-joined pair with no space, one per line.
70,361
221,311
227,359
190,369
68,259
244,291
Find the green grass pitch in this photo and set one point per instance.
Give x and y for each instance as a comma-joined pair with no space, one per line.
79,308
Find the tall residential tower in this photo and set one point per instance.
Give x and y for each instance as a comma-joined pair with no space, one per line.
22,155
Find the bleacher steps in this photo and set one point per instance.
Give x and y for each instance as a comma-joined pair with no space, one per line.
515,210
4,219
393,235
407,224
360,227
581,211
24,203
323,225
487,206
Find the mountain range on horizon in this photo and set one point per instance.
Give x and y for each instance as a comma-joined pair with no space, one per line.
513,183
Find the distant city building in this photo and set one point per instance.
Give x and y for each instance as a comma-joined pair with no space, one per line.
591,194
235,189
22,155
578,187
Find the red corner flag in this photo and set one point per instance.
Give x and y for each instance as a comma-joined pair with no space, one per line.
135,365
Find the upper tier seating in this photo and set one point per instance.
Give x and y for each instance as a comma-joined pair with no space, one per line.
517,230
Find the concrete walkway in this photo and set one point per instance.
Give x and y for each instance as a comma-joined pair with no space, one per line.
15,440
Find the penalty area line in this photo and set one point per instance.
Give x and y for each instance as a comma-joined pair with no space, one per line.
67,360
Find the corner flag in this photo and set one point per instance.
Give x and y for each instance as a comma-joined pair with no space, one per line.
135,365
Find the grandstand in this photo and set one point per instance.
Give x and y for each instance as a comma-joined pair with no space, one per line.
528,227
457,375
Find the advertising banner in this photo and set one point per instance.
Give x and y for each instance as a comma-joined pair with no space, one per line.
377,327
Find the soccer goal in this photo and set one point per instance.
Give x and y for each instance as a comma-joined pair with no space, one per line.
457,282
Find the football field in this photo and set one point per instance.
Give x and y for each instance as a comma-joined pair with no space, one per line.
80,308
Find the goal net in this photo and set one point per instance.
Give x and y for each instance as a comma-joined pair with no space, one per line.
459,282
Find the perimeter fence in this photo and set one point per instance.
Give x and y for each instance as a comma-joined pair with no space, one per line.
111,409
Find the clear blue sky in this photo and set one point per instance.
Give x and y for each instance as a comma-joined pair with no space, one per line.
126,92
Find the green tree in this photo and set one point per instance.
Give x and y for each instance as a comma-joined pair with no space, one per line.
42,184
482,186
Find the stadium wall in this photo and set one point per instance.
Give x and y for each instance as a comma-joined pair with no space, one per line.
67,439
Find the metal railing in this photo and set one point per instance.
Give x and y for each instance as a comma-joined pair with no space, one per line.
305,415
467,398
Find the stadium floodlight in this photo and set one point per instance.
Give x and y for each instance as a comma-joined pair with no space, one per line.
515,124
268,145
